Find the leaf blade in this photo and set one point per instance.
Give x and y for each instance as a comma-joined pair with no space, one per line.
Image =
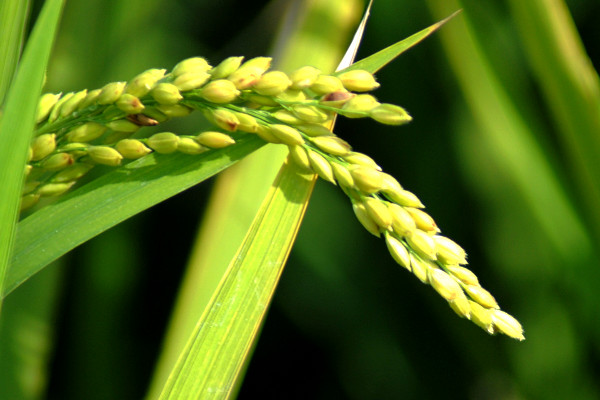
13,21
265,248
376,61
571,86
515,145
90,210
16,125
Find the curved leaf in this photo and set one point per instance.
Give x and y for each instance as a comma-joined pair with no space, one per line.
84,213
13,21
17,122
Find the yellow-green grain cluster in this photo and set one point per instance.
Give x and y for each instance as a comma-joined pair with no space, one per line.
387,210
77,131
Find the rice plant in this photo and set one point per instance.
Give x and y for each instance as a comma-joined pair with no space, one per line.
77,162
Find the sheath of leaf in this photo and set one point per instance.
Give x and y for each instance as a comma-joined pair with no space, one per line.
78,130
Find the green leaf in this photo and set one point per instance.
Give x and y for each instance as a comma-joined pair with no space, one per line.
13,21
17,123
506,131
376,61
571,88
32,309
225,335
104,202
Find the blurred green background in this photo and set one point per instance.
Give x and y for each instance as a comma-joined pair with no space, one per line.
502,163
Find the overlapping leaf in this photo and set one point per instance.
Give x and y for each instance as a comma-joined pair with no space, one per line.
57,228
17,122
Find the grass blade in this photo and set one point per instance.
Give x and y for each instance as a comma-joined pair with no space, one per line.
13,20
17,122
27,333
506,131
572,90
376,61
90,210
203,373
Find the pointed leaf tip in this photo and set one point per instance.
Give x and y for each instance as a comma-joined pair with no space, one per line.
376,61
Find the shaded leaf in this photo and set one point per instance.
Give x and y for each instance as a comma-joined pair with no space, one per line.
223,338
13,18
17,123
110,199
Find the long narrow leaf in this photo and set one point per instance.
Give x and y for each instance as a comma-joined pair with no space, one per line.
376,61
17,122
13,17
515,146
29,311
111,199
572,91
244,296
